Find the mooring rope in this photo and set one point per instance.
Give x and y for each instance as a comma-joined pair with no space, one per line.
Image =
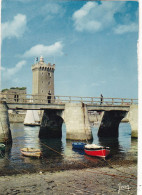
113,175
119,170
119,177
52,149
84,117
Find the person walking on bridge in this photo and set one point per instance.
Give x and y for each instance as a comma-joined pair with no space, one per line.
101,99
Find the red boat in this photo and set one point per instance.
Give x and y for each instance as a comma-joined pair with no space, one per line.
95,150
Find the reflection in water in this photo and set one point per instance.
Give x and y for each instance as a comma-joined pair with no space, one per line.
134,145
132,152
116,150
23,136
92,159
81,152
51,148
5,156
113,143
31,137
119,146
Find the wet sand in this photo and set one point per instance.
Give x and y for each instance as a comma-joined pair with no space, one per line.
96,181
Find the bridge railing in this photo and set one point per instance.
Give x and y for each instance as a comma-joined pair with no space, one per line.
46,99
97,100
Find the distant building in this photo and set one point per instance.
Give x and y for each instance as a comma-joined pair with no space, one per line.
43,78
15,94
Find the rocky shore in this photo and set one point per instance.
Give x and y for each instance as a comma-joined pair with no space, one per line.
96,181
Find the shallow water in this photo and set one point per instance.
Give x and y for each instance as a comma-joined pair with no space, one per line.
62,156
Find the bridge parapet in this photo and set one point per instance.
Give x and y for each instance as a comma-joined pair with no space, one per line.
46,99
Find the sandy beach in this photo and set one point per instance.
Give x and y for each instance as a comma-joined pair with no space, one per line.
97,181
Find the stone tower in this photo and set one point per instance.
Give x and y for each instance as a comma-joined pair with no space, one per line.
43,78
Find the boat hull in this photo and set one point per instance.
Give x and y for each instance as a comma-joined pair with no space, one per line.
31,152
78,145
102,152
2,147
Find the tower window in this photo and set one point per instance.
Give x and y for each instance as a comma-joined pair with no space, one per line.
49,83
49,74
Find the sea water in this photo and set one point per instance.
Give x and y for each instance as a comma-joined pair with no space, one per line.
58,153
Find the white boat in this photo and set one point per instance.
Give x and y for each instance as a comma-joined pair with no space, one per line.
32,152
32,118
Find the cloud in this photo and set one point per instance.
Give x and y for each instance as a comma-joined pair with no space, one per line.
94,17
52,10
9,72
121,29
14,28
16,81
51,50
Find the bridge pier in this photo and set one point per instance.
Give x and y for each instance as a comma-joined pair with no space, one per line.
110,123
51,125
5,133
133,120
77,122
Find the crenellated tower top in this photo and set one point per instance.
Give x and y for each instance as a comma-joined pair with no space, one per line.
41,65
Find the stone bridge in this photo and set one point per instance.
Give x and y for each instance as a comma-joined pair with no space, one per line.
73,111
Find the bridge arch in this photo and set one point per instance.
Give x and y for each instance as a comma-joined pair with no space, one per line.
51,125
110,123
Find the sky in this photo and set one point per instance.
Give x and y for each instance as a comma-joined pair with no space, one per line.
92,43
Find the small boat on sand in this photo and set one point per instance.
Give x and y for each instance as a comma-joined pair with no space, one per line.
32,152
78,145
95,150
